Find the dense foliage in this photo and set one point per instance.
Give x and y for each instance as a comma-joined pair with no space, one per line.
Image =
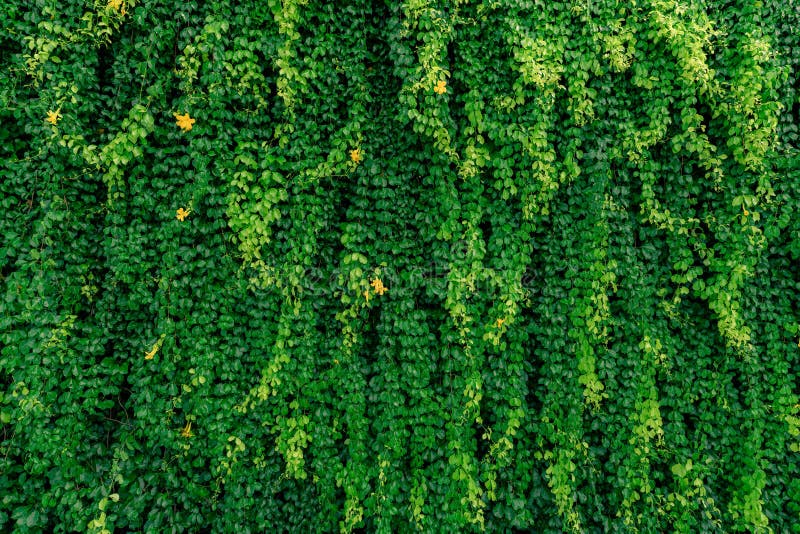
429,265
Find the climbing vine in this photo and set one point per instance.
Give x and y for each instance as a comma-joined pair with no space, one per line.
430,265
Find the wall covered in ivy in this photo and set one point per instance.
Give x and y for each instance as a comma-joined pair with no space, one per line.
425,265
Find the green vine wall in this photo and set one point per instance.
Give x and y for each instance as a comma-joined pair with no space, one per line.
429,265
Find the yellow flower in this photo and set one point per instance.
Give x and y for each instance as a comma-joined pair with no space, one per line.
380,289
746,213
149,355
115,4
366,295
187,430
500,322
53,116
185,122
356,156
181,214
441,87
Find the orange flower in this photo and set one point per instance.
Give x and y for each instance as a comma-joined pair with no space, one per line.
356,156
53,116
185,122
380,289
441,87
181,214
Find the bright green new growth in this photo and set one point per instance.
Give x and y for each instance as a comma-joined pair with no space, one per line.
435,266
